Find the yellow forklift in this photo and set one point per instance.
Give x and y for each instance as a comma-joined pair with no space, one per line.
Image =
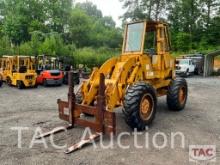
2,66
1,80
48,71
18,71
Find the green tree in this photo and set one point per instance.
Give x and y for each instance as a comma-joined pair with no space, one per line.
25,49
51,45
90,9
36,40
79,27
21,17
57,14
54,27
183,41
145,9
209,9
5,46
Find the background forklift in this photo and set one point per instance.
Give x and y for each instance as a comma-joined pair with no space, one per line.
66,66
48,69
18,71
2,66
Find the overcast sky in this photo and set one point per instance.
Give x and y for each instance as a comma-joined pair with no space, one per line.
109,8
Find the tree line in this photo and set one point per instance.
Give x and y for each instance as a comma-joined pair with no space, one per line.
65,28
56,27
194,24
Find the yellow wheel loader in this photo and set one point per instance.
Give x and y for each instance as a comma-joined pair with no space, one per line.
18,71
144,71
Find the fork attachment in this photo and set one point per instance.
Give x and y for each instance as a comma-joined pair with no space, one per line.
104,123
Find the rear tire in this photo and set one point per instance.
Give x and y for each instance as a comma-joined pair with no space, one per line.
20,85
140,104
1,82
177,94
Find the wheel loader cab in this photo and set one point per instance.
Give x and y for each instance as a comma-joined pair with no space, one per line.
134,38
145,37
151,39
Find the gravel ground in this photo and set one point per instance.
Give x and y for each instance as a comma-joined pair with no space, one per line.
33,108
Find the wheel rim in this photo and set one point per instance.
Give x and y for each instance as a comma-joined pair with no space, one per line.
182,95
146,107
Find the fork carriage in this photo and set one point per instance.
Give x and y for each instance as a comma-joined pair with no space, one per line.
105,121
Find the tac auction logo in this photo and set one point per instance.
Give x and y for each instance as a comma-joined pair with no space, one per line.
198,153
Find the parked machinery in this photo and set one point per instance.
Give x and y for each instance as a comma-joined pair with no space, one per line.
48,71
67,65
198,59
2,66
76,77
185,67
190,64
144,71
18,71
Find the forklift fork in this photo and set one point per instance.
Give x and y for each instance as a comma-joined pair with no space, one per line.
105,122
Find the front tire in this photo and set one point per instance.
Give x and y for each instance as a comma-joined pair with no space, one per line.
140,104
177,94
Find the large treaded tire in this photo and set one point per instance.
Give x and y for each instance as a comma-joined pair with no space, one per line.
173,99
132,105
